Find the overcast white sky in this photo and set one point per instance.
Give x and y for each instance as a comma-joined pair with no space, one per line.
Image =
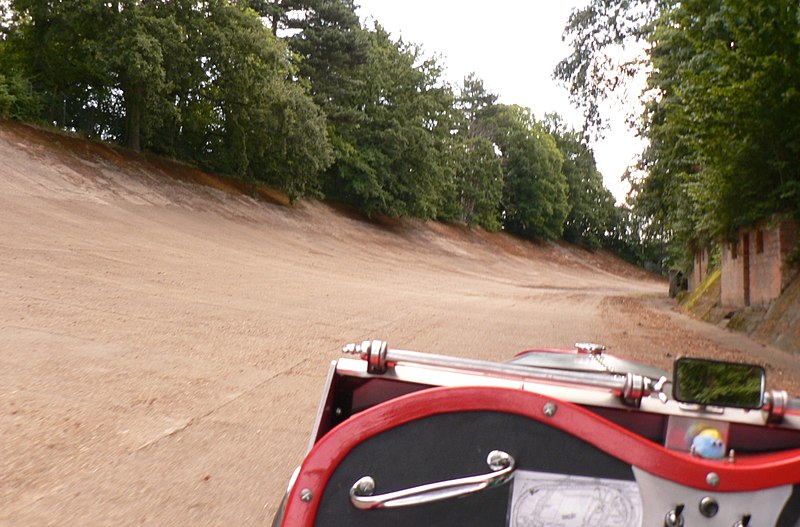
513,45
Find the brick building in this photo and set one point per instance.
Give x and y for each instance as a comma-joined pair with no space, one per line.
699,272
754,267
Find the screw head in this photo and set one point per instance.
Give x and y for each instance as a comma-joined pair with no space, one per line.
498,460
712,478
306,495
550,409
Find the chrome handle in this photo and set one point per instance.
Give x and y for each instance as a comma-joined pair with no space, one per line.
501,463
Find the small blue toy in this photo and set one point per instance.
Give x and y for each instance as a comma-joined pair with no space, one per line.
708,444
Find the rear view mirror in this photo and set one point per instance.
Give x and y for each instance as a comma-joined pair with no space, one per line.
715,383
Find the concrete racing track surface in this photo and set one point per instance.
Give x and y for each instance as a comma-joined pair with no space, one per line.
164,344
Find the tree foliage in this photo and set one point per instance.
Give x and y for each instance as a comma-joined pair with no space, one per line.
592,215
722,112
535,190
298,94
477,187
478,183
388,113
204,82
598,34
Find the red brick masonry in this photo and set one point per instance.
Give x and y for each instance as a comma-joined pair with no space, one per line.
754,268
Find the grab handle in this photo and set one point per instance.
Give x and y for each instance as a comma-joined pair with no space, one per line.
501,463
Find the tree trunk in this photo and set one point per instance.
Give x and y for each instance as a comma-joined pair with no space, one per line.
133,103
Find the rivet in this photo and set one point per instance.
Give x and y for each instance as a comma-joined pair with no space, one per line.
550,409
712,478
306,495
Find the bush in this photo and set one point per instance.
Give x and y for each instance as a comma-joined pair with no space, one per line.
17,99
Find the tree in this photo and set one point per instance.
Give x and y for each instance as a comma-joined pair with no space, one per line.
398,162
479,183
592,213
721,110
207,83
246,117
387,112
333,49
477,106
535,190
596,68
135,43
475,193
277,13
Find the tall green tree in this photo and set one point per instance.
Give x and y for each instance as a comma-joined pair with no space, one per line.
721,113
45,43
478,183
387,112
743,94
207,83
475,194
592,206
247,117
535,190
477,105
398,159
333,49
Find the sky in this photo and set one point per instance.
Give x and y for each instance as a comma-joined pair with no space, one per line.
513,46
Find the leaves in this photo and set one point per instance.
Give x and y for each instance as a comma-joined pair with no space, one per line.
722,112
592,212
332,109
535,191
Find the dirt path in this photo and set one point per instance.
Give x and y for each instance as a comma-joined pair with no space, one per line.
164,345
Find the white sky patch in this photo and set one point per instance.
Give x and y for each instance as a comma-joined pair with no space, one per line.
513,46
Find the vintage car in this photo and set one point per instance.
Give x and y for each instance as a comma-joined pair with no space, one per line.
553,438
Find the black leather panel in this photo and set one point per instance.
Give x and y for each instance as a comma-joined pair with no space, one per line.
451,446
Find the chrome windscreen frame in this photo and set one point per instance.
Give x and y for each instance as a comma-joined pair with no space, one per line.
609,390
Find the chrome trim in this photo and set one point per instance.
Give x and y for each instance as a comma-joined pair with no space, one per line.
277,520
380,359
323,402
634,390
775,405
590,348
501,463
575,394
630,389
674,517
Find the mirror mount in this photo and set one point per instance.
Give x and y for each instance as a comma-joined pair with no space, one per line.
775,403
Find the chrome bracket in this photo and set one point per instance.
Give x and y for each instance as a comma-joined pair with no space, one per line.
372,351
589,348
775,405
634,389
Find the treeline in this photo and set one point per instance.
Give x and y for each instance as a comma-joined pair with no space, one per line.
298,94
722,109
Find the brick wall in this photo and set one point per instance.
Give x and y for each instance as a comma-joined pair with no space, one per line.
766,262
754,268
731,280
789,240
700,267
